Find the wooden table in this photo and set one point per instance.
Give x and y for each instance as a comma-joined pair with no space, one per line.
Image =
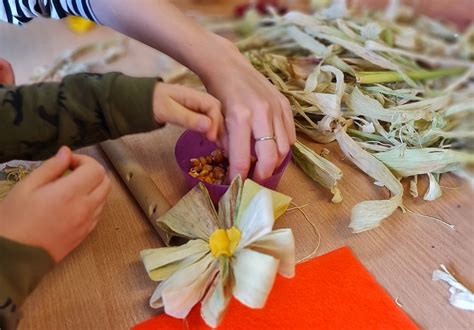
103,285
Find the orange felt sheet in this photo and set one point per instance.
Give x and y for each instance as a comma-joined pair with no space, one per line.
333,291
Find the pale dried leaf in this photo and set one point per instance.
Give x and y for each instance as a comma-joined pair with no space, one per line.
161,263
254,275
218,297
369,214
279,244
257,218
318,168
425,160
434,190
196,204
229,204
461,297
183,290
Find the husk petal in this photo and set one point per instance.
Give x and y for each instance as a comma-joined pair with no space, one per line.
254,275
257,219
185,288
161,263
218,297
280,244
196,204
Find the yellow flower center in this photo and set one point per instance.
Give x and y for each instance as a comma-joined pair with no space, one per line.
224,242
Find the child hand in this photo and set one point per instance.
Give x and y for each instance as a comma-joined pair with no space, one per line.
6,73
188,108
53,211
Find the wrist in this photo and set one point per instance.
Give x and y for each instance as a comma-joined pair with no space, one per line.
220,57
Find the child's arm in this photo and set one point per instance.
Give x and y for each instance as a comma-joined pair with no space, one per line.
35,120
84,109
42,219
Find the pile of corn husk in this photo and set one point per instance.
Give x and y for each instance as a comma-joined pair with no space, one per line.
394,90
232,252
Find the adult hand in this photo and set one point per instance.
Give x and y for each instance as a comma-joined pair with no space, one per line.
53,211
253,108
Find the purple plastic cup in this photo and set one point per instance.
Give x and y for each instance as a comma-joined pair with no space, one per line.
193,145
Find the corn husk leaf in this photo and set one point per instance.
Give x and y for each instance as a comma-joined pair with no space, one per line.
414,186
316,135
434,190
229,204
196,204
160,264
370,108
185,288
369,214
279,201
432,60
318,168
217,299
307,42
254,275
426,160
279,244
257,218
461,297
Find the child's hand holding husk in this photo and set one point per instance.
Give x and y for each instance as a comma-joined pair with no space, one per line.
54,211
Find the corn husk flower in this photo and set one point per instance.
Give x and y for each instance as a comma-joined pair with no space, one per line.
230,253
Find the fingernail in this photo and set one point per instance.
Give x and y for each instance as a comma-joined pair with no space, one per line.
203,125
62,152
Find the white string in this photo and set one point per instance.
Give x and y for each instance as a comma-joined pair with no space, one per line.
447,224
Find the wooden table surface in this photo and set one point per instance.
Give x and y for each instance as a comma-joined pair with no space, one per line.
103,285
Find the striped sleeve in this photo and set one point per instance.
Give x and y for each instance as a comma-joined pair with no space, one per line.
22,11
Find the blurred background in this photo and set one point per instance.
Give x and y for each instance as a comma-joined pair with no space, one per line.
460,11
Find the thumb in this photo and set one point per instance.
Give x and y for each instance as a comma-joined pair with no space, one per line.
51,169
189,119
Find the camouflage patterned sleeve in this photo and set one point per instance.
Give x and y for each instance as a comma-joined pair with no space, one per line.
21,269
84,109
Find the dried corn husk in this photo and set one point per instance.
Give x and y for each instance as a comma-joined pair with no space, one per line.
425,160
461,297
318,168
434,190
233,252
369,214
